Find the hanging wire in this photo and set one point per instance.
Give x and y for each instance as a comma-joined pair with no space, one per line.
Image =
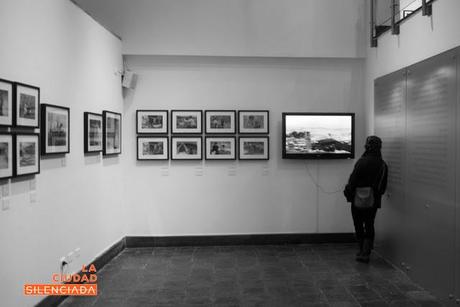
315,182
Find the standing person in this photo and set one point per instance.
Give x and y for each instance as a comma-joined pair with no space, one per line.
364,190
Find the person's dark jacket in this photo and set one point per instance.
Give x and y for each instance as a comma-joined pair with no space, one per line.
369,171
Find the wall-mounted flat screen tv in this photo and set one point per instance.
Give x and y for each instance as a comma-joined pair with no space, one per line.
318,135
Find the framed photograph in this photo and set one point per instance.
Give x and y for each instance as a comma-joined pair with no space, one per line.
254,148
92,132
26,105
220,122
220,148
6,155
183,121
253,122
151,121
111,133
26,154
186,148
55,129
152,148
6,103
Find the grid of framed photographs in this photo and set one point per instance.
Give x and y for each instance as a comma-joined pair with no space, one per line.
184,140
19,117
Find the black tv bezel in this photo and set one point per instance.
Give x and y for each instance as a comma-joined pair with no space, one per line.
317,156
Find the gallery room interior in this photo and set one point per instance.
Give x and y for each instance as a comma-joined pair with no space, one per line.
195,152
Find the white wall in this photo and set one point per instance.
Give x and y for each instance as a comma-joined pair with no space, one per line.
171,198
287,28
54,45
421,37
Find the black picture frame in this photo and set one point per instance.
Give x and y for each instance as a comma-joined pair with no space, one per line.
18,172
165,145
88,117
6,155
186,130
243,123
209,148
197,156
253,157
108,150
46,133
6,93
209,129
154,130
317,155
22,121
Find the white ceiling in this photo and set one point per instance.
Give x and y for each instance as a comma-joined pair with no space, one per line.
286,28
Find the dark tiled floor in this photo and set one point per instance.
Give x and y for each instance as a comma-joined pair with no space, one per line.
288,275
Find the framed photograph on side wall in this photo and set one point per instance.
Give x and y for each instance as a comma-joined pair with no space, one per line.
186,122
186,148
151,121
220,148
254,148
6,155
253,122
92,132
111,133
6,103
55,129
220,122
152,148
26,105
26,154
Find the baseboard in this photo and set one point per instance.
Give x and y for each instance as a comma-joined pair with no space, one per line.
99,263
256,239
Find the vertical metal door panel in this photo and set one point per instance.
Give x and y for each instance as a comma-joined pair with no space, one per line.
390,125
430,178
457,179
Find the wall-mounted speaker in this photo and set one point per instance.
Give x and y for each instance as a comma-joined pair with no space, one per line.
129,79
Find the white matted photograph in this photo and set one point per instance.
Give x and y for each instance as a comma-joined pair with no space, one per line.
254,148
27,155
6,155
220,122
92,132
186,121
111,133
6,103
220,148
186,148
27,103
253,122
55,129
152,148
151,121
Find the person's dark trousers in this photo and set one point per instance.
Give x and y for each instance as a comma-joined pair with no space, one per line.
363,219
